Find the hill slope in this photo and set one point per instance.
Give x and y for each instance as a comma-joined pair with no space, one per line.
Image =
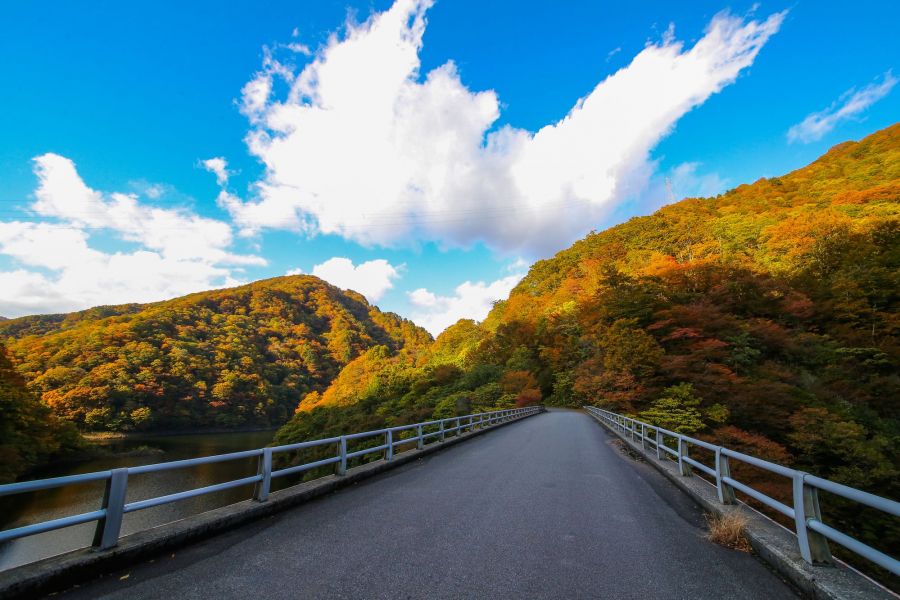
29,432
765,318
227,358
774,305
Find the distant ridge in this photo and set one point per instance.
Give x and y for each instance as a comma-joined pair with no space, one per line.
225,358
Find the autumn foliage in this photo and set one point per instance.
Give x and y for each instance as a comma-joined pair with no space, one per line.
29,432
229,358
764,318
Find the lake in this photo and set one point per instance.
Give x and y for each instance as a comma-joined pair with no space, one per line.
24,509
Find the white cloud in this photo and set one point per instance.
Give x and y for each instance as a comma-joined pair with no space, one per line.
470,301
154,191
299,48
686,181
371,279
520,264
366,147
297,271
178,252
175,233
218,166
851,104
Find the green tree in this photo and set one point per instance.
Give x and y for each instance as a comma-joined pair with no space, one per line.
676,410
29,432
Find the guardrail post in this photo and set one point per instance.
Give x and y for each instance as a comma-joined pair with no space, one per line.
442,430
813,545
458,425
342,452
633,430
644,437
420,442
389,442
261,491
660,454
106,535
725,491
683,467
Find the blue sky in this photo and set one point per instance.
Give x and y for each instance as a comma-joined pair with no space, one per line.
345,133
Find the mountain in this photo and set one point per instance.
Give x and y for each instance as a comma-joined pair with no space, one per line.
228,358
765,318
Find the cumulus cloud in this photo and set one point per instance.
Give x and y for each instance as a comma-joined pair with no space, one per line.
218,166
366,146
175,233
851,104
469,301
371,279
177,252
297,271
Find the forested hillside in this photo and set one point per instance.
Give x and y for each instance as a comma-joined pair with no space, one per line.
227,358
29,432
765,318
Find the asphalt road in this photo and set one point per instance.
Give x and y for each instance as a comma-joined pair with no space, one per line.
544,508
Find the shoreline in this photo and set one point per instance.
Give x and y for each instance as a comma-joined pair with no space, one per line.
96,446
111,436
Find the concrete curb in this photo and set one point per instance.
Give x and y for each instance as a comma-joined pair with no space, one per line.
774,544
59,572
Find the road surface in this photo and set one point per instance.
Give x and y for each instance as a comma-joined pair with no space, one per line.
547,507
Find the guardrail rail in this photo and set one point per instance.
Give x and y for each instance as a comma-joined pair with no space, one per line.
812,533
114,505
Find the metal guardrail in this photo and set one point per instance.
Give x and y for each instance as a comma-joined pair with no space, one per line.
812,534
114,506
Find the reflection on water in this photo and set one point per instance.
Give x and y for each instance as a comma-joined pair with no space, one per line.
23,509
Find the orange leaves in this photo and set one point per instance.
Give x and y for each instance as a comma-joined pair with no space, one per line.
528,397
682,333
523,385
662,264
750,443
795,239
797,305
514,382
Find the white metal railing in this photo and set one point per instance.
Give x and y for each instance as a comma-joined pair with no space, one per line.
114,506
812,533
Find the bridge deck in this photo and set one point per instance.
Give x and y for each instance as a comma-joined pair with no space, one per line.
543,508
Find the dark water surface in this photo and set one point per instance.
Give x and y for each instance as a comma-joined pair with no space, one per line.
24,509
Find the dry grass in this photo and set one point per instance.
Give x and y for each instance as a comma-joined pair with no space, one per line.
626,449
728,530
